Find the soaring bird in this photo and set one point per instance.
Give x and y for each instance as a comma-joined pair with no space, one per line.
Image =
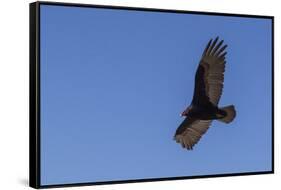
208,88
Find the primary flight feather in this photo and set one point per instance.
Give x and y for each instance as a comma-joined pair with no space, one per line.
208,88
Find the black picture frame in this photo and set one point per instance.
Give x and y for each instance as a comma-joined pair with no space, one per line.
34,93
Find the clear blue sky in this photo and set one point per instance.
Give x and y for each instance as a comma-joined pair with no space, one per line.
113,83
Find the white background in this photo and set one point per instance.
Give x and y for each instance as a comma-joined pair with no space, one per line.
14,79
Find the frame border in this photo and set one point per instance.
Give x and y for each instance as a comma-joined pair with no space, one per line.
34,93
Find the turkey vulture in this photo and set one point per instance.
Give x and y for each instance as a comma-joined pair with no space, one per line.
207,92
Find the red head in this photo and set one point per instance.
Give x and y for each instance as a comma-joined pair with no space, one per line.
185,112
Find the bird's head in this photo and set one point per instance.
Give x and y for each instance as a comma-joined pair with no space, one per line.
185,112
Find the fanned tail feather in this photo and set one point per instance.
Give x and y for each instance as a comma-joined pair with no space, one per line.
230,114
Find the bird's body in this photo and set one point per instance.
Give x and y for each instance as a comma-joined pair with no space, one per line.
207,92
206,113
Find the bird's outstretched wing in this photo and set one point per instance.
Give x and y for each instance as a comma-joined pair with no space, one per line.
210,74
190,131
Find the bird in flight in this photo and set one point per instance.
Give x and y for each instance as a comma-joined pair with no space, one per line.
207,92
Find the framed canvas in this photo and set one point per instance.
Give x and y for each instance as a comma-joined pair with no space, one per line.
126,94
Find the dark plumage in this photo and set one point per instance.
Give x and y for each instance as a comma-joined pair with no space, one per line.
207,92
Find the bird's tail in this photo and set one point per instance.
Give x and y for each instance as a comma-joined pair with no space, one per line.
230,114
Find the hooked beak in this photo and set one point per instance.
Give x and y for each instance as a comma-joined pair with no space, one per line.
185,113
